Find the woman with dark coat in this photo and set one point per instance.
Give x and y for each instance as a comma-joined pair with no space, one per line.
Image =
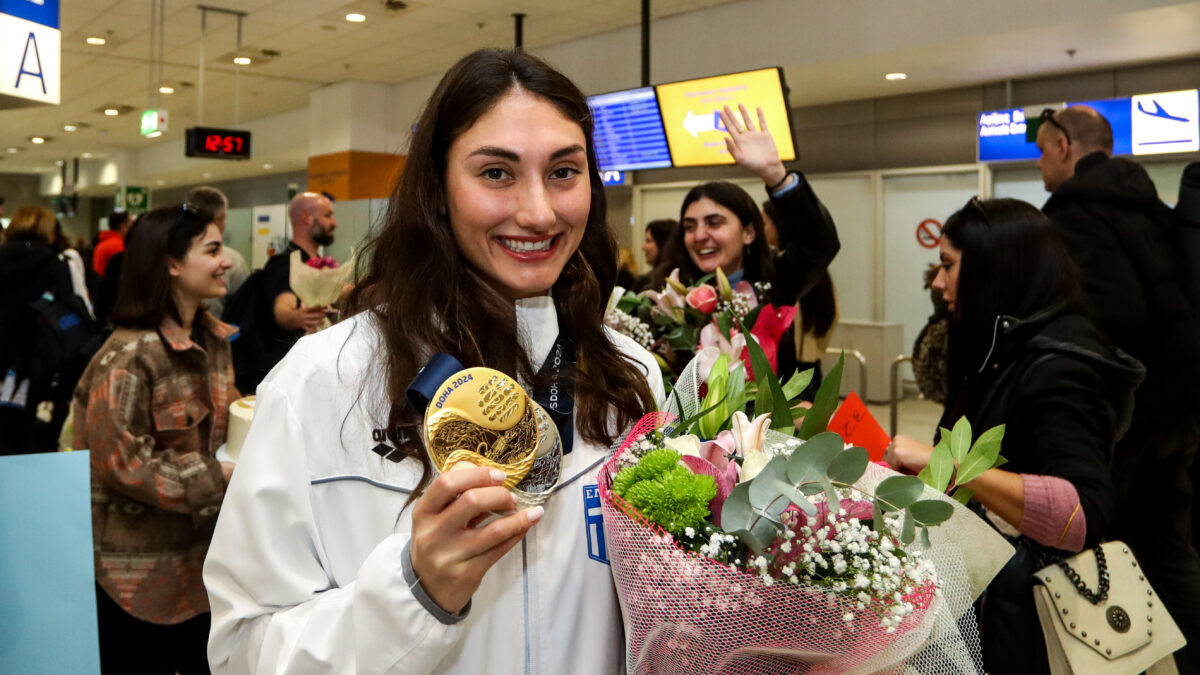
721,226
1023,355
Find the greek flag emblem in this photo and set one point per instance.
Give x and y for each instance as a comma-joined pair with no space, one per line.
593,520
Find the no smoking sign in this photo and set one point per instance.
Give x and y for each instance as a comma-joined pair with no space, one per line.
929,233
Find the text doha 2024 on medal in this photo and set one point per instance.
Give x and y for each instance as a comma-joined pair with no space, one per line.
484,417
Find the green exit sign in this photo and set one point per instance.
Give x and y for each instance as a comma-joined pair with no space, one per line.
154,123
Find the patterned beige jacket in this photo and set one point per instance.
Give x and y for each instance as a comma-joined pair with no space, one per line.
152,407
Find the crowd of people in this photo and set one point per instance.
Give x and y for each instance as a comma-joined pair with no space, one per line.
334,546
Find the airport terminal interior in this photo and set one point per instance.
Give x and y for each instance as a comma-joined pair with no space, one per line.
303,115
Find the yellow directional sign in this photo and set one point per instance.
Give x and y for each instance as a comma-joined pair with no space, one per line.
690,114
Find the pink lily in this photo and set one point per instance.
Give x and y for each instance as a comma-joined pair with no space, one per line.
711,458
749,437
746,289
713,344
671,300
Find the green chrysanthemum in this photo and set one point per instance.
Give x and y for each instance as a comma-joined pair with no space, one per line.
666,492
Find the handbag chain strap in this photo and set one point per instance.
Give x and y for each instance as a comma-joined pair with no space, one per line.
1101,593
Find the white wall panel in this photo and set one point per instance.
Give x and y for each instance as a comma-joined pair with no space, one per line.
908,200
851,202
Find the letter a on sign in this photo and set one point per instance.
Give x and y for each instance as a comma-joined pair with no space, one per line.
31,40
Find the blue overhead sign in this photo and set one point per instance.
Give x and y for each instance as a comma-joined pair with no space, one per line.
1142,125
44,12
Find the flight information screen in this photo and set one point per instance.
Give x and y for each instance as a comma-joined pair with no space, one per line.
629,131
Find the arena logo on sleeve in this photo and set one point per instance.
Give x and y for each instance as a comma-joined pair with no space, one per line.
593,519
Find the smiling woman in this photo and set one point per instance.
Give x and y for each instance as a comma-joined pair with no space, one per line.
721,227
518,211
152,407
339,551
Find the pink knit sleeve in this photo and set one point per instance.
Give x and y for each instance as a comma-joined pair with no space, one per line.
1053,515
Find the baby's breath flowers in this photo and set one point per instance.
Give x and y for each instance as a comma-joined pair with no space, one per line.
630,325
844,554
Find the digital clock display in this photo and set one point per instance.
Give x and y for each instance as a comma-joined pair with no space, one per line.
218,143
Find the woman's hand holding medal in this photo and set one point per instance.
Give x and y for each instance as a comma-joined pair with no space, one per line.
496,451
449,555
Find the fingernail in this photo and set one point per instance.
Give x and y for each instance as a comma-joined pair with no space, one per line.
535,514
498,475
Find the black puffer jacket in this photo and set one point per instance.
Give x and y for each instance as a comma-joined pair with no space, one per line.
1135,277
1065,397
27,269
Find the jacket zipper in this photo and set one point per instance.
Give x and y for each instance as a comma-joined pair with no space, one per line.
995,334
525,584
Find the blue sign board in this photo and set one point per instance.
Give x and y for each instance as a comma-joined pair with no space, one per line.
1141,125
629,131
611,178
44,12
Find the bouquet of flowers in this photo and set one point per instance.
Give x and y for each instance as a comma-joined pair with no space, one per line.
319,282
773,548
681,321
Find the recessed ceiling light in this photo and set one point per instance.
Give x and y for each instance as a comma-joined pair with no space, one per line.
896,76
112,112
161,182
268,166
166,90
12,151
86,155
93,40
37,140
207,174
241,60
355,17
69,127
59,162
154,134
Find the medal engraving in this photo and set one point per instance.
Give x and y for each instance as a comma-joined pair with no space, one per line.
483,417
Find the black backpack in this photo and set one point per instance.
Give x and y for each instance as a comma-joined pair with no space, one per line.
50,344
245,309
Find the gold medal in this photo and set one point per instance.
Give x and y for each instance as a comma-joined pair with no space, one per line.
484,417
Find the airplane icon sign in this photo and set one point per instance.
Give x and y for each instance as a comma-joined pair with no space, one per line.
1165,122
1159,112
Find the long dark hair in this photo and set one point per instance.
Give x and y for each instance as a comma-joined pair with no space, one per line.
1013,264
426,297
818,307
660,231
756,256
144,296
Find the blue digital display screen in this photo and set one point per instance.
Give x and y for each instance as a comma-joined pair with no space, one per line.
1141,125
629,131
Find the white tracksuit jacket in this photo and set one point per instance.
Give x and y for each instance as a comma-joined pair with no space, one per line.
305,569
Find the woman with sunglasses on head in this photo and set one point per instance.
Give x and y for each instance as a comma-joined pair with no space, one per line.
721,226
153,407
339,549
1023,355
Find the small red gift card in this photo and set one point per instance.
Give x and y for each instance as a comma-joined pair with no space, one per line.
855,424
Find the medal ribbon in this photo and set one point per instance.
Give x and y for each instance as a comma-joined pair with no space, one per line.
556,399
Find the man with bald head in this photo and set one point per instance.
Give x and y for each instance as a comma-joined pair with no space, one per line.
311,217
1138,290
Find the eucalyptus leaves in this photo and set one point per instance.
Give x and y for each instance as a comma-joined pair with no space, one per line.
822,466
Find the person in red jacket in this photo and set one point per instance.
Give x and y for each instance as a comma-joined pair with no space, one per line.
112,240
